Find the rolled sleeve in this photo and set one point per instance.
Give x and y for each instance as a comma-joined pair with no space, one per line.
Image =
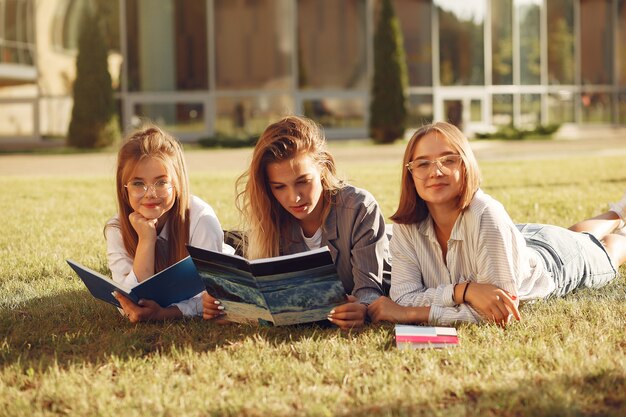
369,251
191,307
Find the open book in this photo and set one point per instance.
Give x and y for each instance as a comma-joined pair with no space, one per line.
176,283
419,337
283,290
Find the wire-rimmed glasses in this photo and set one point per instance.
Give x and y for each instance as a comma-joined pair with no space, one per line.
138,189
421,168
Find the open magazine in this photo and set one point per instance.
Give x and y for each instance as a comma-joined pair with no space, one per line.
283,290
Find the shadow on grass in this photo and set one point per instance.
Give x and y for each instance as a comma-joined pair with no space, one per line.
75,328
602,394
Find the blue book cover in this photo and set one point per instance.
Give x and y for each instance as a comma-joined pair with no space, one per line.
178,282
284,290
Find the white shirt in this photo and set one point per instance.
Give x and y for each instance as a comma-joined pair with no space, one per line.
315,241
484,247
205,232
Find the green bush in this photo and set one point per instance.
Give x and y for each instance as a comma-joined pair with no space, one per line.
94,121
221,140
388,113
511,132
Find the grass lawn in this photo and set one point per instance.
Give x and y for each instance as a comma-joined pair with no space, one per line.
64,353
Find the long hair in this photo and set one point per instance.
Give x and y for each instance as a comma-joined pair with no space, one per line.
152,142
262,214
411,208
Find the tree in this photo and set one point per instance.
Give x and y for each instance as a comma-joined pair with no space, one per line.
94,121
388,112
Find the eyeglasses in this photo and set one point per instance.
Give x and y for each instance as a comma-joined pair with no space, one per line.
138,189
421,168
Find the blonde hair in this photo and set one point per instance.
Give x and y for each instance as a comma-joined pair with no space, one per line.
411,208
152,142
263,216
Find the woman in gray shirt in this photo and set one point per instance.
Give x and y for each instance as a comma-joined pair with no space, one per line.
291,200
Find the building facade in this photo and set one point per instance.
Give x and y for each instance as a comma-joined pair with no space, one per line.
200,67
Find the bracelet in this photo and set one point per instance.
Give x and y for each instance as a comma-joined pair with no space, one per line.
465,290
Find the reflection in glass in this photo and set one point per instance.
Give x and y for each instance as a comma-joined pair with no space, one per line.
502,42
17,36
529,39
621,108
250,115
167,45
453,110
332,49
476,110
174,117
530,111
596,42
420,110
561,64
621,43
561,107
596,107
415,23
336,112
502,109
253,44
461,41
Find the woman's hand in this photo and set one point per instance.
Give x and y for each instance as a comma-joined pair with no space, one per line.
146,310
212,308
350,315
384,309
493,303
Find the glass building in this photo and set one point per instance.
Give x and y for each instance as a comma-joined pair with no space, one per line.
199,67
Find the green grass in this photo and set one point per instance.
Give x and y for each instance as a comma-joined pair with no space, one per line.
63,353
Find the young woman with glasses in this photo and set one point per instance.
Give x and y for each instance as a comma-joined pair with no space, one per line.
292,201
156,218
458,257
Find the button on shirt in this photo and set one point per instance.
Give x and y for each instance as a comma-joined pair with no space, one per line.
484,247
205,232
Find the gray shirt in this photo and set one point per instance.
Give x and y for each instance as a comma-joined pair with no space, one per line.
354,232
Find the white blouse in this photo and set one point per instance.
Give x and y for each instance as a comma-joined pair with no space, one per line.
205,232
485,247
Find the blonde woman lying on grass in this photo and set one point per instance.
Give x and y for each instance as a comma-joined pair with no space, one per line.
458,257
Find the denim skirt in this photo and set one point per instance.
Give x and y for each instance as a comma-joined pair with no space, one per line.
575,260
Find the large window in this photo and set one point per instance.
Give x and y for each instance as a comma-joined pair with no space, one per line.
528,16
415,22
461,42
561,63
420,110
332,44
249,115
530,111
502,109
16,32
176,117
596,42
596,107
621,43
502,42
167,48
336,112
561,107
254,45
621,108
